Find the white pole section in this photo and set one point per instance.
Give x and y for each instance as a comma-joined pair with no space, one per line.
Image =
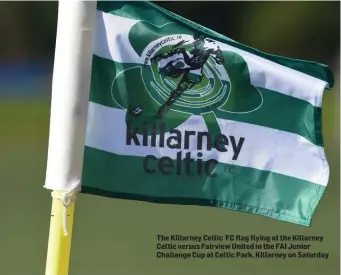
70,93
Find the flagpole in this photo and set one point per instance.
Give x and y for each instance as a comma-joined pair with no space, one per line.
68,116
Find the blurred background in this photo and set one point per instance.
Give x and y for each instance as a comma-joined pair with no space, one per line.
119,237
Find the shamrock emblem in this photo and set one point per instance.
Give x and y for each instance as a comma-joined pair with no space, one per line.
183,74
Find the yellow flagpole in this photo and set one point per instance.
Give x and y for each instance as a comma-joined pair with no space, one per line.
59,244
68,120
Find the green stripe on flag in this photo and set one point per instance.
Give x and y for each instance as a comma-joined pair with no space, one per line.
235,187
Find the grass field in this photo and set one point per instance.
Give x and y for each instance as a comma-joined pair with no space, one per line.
119,237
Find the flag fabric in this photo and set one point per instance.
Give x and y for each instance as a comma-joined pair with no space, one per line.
180,114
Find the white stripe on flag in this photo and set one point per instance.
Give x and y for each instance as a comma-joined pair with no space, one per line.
264,148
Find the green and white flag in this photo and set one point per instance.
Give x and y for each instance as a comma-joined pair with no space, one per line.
180,114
